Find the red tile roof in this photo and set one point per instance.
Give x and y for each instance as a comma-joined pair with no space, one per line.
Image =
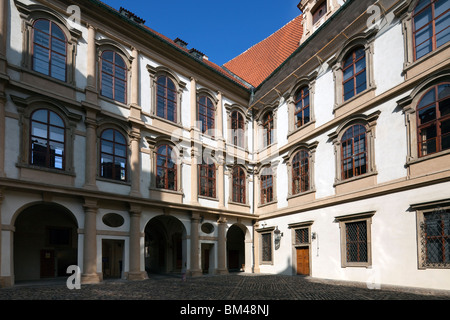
258,62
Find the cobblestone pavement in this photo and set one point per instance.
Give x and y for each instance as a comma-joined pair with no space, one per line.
230,287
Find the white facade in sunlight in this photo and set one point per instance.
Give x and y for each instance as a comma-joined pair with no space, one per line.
107,169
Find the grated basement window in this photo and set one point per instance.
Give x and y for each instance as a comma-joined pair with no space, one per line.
435,238
356,241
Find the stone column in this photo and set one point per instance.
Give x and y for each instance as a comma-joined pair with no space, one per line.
135,163
256,248
89,274
193,103
195,270
2,281
91,150
195,157
135,272
222,246
219,113
135,108
2,130
91,87
221,180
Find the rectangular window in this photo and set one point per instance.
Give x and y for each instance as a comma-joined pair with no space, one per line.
266,241
356,241
435,238
302,236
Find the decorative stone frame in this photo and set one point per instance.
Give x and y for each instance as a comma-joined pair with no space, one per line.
230,109
154,144
365,41
261,232
208,93
259,126
405,13
369,122
310,83
179,85
409,106
274,166
294,227
103,45
127,133
311,148
343,220
230,168
421,209
33,12
25,108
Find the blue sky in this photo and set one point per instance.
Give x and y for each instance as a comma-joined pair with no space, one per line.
220,29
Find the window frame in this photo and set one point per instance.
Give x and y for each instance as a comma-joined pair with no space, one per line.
126,157
208,167
353,155
437,121
262,232
113,76
232,133
352,55
31,13
165,168
367,121
48,140
49,49
364,217
434,46
241,187
212,108
180,87
309,83
264,186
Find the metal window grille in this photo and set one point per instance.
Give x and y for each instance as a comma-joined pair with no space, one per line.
302,236
435,239
356,241
266,247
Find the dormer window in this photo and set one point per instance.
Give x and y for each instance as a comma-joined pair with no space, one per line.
319,12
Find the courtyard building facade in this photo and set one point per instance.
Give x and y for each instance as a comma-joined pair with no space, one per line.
323,150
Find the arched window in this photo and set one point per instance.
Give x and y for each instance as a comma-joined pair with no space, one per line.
300,172
47,139
302,110
166,170
354,73
238,128
207,175
433,120
431,26
238,185
49,49
166,99
113,76
113,155
354,152
268,129
266,179
206,114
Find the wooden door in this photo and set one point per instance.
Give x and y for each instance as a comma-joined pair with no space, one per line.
303,261
47,263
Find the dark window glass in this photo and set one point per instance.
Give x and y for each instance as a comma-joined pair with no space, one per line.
433,120
207,175
166,99
47,138
354,152
319,12
356,241
300,172
113,76
354,72
166,168
268,129
113,155
266,185
437,237
206,114
238,185
237,129
431,26
301,113
49,49
266,239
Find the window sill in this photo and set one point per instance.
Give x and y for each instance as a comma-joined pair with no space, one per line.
292,196
208,198
45,169
359,96
350,180
176,124
262,205
239,204
366,265
109,100
125,183
413,161
178,192
302,128
410,65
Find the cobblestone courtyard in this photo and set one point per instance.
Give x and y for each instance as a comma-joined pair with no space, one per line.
230,287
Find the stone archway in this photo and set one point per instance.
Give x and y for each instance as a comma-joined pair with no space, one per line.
45,242
165,245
